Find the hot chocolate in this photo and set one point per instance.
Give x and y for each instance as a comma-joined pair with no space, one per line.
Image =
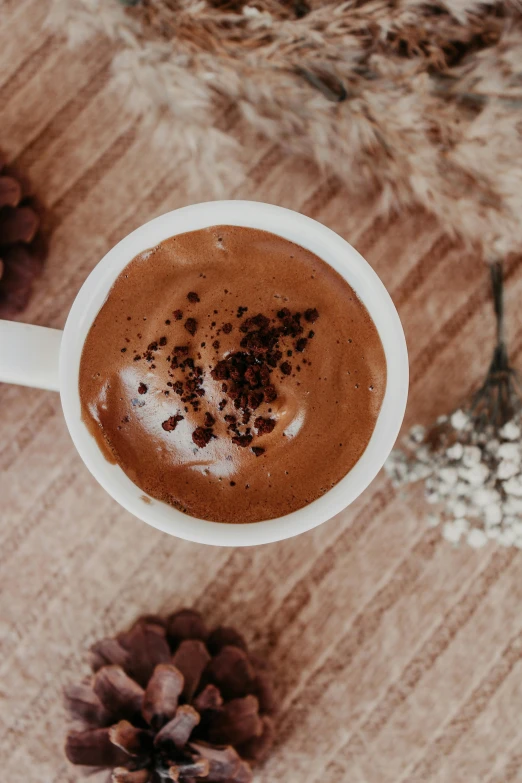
232,374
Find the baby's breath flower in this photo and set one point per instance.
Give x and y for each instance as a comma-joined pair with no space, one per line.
510,431
471,460
476,481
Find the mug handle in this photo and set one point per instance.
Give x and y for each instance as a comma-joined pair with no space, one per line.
29,355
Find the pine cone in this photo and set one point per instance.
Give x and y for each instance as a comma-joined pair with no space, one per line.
20,261
170,701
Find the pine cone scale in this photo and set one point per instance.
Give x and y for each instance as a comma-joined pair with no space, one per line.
191,658
83,703
223,636
178,730
146,646
191,770
20,245
10,192
209,699
231,671
162,695
237,722
106,652
186,624
119,693
133,741
257,748
262,688
223,762
122,775
17,225
19,268
93,748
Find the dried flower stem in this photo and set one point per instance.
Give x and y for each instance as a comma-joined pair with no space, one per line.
499,398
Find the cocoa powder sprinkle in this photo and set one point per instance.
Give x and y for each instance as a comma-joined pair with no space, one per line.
264,426
202,436
172,422
242,440
209,420
246,373
191,325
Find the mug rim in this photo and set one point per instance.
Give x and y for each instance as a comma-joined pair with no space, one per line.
335,251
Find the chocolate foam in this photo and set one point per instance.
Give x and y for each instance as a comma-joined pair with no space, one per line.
179,448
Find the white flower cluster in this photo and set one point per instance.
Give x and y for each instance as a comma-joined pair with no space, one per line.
473,478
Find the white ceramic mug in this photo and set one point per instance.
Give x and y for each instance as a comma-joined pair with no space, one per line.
49,359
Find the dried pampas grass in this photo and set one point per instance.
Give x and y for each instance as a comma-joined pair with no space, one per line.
419,102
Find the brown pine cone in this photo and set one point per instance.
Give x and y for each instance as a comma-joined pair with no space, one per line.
170,700
20,261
